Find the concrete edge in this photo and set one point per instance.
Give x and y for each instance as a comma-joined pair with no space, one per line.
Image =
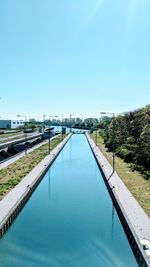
14,201
132,235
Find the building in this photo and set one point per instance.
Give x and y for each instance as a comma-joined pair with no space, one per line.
11,124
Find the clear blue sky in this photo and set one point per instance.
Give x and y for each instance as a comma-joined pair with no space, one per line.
73,56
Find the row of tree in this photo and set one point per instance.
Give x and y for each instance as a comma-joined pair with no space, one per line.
88,123
75,122
132,137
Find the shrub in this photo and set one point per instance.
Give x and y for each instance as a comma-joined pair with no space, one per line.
124,153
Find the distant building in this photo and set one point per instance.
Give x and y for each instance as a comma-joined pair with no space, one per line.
11,124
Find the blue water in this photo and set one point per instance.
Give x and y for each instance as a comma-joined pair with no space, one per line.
70,220
75,130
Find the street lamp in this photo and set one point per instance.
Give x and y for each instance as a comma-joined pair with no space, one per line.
111,113
71,122
49,141
96,135
24,116
62,127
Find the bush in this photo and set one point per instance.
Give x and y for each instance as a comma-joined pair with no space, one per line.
124,153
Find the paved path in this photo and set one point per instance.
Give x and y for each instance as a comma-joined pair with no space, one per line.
22,154
137,219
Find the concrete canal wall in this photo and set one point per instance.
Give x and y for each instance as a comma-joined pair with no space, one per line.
134,220
13,202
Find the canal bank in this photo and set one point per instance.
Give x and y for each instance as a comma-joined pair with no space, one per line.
14,201
135,221
70,219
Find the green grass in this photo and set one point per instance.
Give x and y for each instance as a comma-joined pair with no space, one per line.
136,183
14,173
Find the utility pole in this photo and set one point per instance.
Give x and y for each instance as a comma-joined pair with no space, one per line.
62,127
49,141
96,136
71,122
24,116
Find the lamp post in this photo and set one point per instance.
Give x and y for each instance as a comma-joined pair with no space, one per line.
24,116
62,127
71,122
96,136
49,141
113,135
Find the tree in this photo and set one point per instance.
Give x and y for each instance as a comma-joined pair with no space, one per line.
132,136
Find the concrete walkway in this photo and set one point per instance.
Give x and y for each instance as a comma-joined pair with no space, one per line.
22,154
135,216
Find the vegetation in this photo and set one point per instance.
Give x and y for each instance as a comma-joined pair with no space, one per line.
132,179
132,138
14,173
75,122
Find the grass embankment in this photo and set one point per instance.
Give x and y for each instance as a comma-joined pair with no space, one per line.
138,186
14,173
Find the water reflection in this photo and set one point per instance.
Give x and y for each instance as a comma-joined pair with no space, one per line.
113,220
70,220
49,184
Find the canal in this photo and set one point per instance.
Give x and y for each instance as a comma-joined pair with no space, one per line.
69,221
